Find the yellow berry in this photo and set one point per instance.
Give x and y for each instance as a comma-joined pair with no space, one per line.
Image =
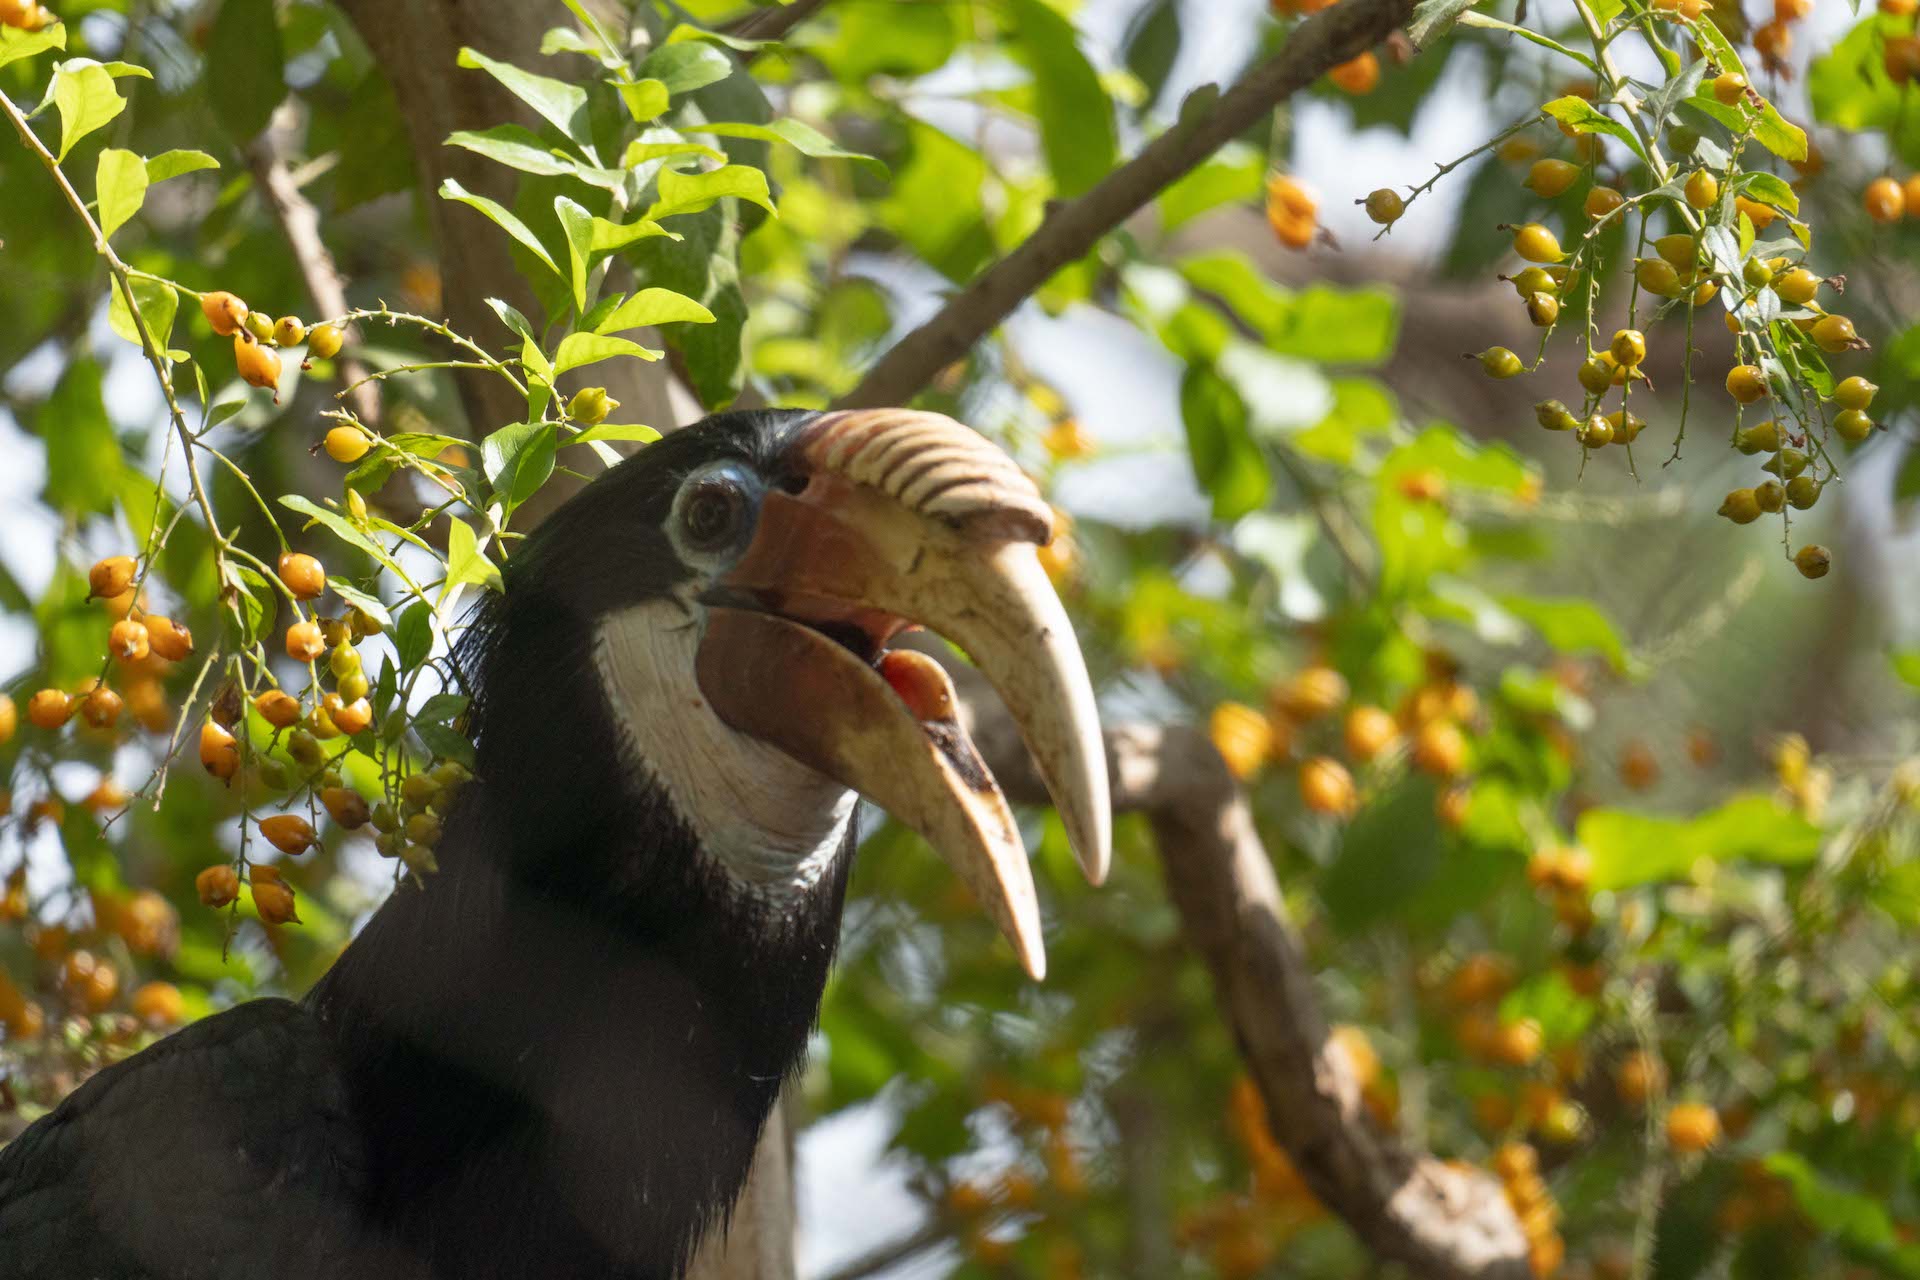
1550,178
1536,243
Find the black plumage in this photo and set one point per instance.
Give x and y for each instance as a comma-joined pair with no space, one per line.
555,1060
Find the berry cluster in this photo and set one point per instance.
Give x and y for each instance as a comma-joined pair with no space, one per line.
1429,733
255,336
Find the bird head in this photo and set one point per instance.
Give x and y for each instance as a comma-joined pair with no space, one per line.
739,586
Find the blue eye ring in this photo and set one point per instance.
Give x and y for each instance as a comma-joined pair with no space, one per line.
716,508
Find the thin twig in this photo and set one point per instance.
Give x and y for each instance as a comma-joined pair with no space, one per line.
1330,37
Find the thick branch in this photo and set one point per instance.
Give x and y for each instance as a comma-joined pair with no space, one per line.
299,223
1442,1222
1321,42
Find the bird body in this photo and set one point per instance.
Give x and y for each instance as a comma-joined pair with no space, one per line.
557,1058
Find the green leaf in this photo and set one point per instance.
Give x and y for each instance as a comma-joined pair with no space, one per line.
645,99
158,304
172,164
686,66
1570,624
1388,856
1232,175
85,94
651,307
341,528
577,350
1859,1220
1226,461
1632,848
83,458
465,564
520,148
641,151
120,187
1339,326
934,204
560,104
1906,665
16,44
615,431
1851,90
894,40
1076,117
518,459
452,190
248,77
1770,189
1583,117
803,138
682,193
368,604
413,637
255,597
1433,18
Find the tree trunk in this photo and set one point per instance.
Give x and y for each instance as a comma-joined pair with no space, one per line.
416,43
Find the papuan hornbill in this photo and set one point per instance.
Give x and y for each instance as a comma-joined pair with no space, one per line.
555,1060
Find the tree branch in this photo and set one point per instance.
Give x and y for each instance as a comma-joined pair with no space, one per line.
1441,1221
774,24
1321,42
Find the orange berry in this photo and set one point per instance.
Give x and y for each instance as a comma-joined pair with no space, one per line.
1370,733
1638,1077
1481,977
303,575
1885,200
1639,768
1602,201
1242,736
219,753
101,707
1327,787
50,708
1773,42
224,312
304,641
1692,1127
354,716
1550,178
1900,55
256,362
217,885
288,832
1452,805
1357,75
89,980
110,577
273,900
1309,694
1730,88
168,638
1518,1044
128,641
9,719
345,806
278,708
158,1004
1440,749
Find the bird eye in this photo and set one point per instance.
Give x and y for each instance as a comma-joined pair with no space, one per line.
714,508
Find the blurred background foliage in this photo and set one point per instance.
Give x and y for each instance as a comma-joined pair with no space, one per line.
1591,809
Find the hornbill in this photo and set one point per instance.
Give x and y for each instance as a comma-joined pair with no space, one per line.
555,1060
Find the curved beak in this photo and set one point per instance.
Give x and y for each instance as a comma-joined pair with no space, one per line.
911,518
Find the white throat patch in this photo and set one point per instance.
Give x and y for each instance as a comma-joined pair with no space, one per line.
771,823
